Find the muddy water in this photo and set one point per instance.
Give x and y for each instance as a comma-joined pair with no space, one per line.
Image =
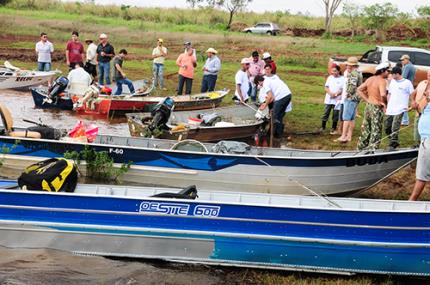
22,107
35,267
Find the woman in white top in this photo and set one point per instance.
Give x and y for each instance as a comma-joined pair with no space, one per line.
333,88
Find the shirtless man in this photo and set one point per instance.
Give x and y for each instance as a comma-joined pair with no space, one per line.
374,93
422,89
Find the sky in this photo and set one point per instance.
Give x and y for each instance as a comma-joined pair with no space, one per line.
314,7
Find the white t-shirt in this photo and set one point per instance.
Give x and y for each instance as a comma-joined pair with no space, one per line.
343,96
44,51
277,86
242,79
266,88
79,81
334,84
92,53
399,92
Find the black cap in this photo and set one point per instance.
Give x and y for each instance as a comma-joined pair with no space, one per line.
255,53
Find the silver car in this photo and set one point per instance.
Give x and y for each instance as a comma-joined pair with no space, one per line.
263,28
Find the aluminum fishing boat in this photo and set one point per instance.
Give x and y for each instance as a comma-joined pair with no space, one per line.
340,235
12,77
234,122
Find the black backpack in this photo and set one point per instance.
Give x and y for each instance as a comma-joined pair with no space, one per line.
53,175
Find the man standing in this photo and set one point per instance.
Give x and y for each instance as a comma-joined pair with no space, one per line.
186,62
422,88
399,91
119,74
374,92
159,55
279,94
423,162
353,80
44,49
210,71
408,73
333,89
256,67
91,63
242,81
105,52
74,51
268,60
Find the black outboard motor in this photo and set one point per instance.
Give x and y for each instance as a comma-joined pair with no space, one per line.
58,86
161,114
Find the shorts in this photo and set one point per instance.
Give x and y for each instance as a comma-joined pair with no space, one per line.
349,110
423,163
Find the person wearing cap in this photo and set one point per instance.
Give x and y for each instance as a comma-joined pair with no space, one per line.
255,68
374,92
333,88
278,95
242,81
44,50
119,74
159,54
422,171
399,91
74,51
105,53
91,62
210,71
187,62
188,45
268,60
351,99
422,90
407,73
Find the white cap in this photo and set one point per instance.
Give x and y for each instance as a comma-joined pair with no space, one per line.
103,36
384,65
266,55
245,60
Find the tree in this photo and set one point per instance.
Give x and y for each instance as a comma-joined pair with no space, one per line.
353,12
4,2
232,6
330,7
377,17
424,12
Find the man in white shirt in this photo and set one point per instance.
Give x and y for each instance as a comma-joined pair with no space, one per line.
159,55
399,92
91,60
242,81
333,88
44,49
279,94
79,80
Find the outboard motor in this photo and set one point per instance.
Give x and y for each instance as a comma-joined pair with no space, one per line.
161,114
58,86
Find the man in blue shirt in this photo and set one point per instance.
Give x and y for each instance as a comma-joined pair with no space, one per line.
210,71
408,72
423,162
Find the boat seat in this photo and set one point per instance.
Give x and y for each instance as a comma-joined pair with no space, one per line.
7,120
188,193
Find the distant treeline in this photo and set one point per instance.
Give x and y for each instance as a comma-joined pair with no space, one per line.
294,24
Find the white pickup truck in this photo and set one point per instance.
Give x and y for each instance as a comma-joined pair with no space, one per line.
369,60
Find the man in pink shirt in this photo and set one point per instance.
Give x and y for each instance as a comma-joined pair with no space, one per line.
186,62
74,51
255,68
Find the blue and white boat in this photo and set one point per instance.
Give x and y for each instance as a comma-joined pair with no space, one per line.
340,235
264,170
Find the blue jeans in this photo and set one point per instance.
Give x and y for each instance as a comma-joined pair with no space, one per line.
157,69
279,108
208,83
405,118
120,82
104,72
252,92
43,66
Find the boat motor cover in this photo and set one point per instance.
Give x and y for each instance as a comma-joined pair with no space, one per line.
53,175
59,85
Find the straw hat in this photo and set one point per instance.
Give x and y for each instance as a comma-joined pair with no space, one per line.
212,50
160,40
103,36
353,61
405,56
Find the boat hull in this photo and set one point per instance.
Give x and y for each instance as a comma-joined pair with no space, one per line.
248,173
25,80
231,233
